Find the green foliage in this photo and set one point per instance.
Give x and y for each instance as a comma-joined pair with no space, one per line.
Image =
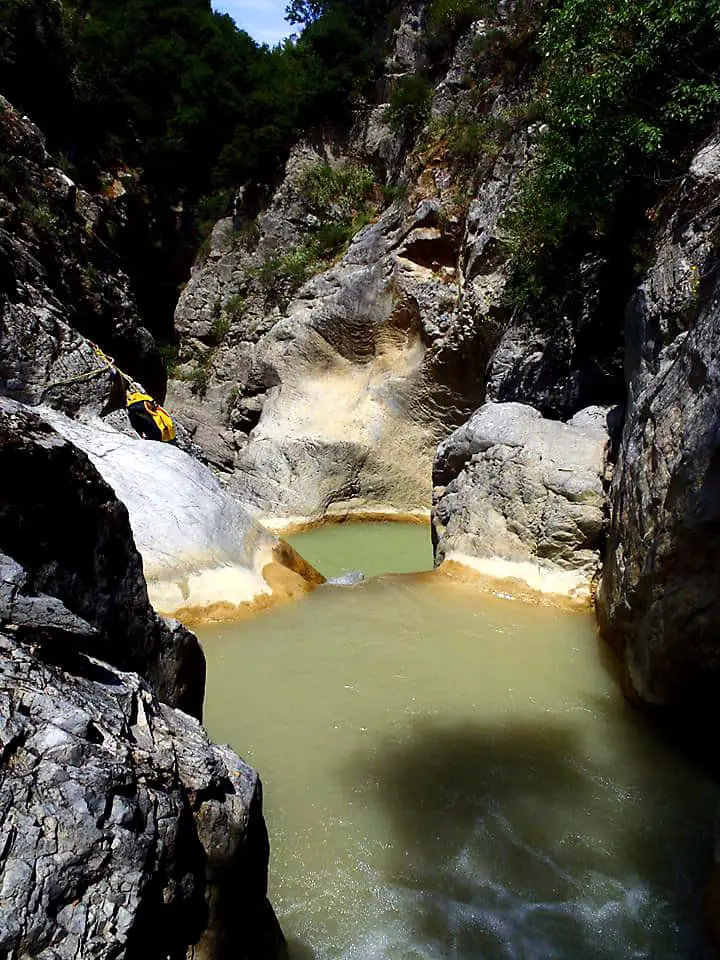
447,19
172,88
170,356
37,215
234,306
200,378
410,101
337,194
202,372
628,87
303,11
466,139
210,208
249,235
282,276
219,329
343,200
298,265
36,61
395,192
184,106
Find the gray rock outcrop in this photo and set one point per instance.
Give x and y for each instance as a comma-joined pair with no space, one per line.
60,284
123,832
64,526
659,603
521,497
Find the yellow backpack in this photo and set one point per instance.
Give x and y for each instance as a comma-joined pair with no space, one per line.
162,418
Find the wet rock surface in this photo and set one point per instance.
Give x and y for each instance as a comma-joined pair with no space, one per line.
521,496
200,548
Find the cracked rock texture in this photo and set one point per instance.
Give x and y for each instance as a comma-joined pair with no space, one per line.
659,602
60,284
71,535
124,833
523,497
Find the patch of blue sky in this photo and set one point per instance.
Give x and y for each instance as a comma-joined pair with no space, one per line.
264,20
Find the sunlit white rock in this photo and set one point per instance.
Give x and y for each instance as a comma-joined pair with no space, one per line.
199,546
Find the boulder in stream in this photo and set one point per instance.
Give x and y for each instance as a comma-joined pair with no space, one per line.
521,497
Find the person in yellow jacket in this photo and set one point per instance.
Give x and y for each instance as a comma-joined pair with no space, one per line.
148,417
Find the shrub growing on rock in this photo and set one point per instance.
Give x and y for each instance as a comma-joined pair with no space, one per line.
628,89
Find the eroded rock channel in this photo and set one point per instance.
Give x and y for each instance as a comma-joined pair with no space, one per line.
451,769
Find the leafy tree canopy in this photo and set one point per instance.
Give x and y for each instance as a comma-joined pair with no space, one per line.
629,87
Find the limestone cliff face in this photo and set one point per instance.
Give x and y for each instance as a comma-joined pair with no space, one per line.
333,398
659,601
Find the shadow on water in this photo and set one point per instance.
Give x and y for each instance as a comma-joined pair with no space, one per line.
296,950
509,841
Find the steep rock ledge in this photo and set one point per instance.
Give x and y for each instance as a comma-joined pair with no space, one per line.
659,604
60,282
71,535
123,831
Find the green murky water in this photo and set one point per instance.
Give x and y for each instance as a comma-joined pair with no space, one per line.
372,548
451,776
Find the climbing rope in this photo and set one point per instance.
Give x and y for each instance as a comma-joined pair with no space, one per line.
108,364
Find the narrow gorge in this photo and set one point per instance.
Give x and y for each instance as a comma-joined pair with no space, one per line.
441,499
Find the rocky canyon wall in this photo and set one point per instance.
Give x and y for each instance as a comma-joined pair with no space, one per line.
125,832
659,603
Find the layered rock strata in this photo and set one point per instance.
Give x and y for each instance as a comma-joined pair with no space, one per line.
659,603
123,832
523,498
